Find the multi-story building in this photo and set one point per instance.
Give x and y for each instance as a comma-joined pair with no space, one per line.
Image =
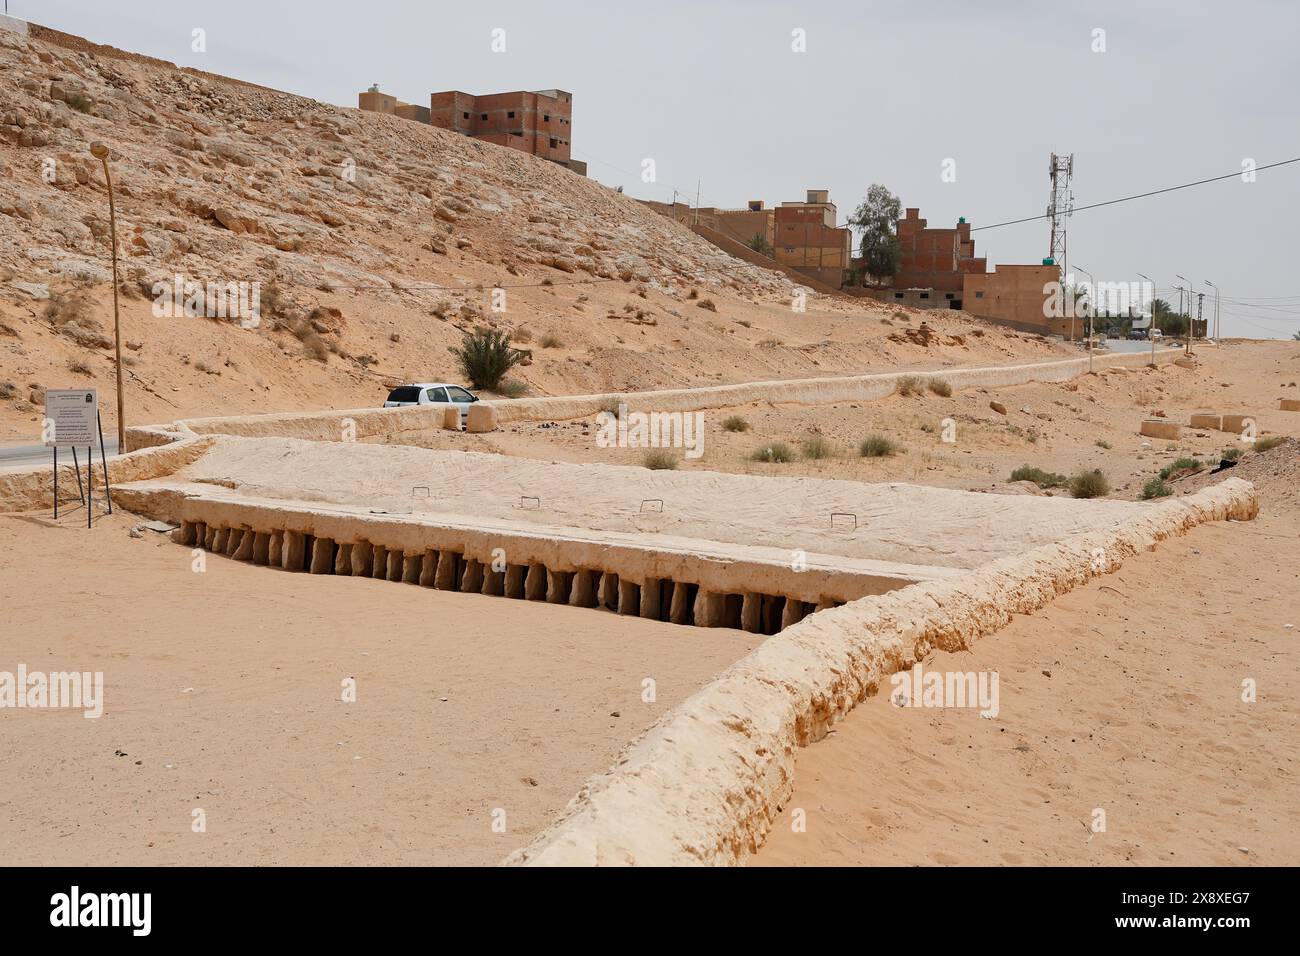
807,239
537,122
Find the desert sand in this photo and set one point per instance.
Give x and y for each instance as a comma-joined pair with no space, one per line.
1124,695
465,705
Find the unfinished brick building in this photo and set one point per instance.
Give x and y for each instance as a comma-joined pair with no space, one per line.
935,258
808,240
533,122
537,122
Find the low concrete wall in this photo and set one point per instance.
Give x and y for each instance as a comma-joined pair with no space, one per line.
26,489
703,785
486,416
642,560
346,425
808,391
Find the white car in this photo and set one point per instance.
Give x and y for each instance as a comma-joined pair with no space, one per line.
431,393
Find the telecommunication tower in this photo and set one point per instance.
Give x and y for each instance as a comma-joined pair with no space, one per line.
1061,169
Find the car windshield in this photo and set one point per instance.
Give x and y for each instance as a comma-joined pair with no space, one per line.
404,393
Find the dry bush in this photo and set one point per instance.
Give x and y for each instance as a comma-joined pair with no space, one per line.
78,366
909,385
660,459
877,446
551,342
734,423
707,304
940,387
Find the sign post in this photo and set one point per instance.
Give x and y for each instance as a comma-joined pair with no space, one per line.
72,418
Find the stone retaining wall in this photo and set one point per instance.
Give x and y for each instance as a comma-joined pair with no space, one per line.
703,785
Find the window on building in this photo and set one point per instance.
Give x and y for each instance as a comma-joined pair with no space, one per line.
979,295
466,115
898,295
546,118
925,295
554,142
510,115
482,116
947,295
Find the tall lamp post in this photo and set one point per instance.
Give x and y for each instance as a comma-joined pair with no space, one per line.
1188,341
1151,332
100,152
1216,309
1092,307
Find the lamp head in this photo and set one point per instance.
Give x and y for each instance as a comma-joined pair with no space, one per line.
98,150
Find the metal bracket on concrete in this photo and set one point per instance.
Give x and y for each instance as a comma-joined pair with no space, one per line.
420,491
652,501
843,514
524,499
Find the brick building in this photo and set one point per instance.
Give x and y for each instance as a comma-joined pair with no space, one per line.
537,122
935,258
807,239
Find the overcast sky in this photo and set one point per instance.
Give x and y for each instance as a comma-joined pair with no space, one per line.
885,92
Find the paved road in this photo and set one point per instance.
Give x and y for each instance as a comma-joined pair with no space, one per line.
28,455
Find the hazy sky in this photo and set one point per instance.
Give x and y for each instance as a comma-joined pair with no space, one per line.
885,92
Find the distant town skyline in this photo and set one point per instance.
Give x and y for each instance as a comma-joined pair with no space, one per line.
740,101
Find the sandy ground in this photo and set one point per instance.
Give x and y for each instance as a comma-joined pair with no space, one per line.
1090,422
1124,695
223,693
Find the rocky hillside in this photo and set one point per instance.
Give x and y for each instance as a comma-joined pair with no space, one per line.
374,242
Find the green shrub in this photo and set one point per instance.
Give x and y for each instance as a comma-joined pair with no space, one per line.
734,423
1043,479
660,459
512,388
815,447
1089,484
877,446
1181,467
1231,454
1102,443
909,385
1264,444
486,356
940,387
776,452
1156,488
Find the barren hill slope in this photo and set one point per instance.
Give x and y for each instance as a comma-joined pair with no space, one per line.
376,242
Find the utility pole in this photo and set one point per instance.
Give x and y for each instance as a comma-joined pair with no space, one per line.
1151,332
100,152
1188,341
1200,305
1092,308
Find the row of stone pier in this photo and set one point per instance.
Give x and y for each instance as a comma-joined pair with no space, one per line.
661,599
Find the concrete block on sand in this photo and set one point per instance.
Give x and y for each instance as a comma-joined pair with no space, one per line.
1207,420
1159,428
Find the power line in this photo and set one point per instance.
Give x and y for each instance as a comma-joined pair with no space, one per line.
1154,192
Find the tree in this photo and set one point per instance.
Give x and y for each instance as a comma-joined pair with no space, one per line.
877,219
1296,337
485,356
760,244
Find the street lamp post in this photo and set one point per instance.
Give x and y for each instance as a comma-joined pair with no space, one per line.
100,152
1216,310
1188,341
1092,308
1151,331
